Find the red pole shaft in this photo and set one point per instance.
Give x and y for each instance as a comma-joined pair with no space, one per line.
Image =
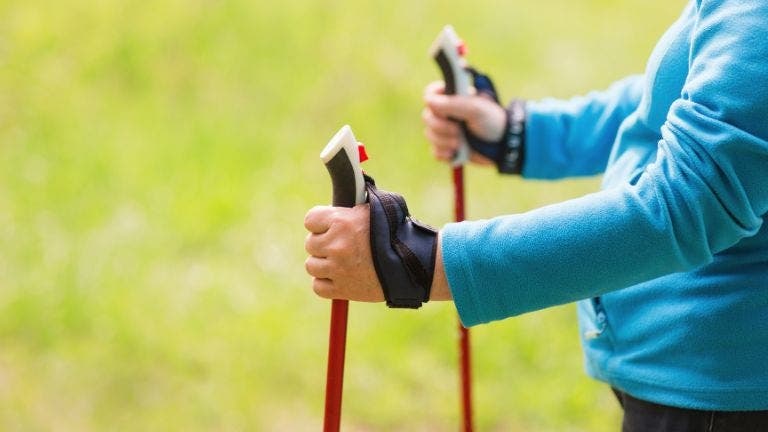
464,351
458,193
466,384
334,384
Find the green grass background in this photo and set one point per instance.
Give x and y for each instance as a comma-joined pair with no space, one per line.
156,162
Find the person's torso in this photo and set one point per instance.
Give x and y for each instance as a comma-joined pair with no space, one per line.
698,338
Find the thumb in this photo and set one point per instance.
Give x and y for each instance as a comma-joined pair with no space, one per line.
455,107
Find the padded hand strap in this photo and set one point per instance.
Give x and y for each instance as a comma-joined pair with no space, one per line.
483,85
403,249
508,153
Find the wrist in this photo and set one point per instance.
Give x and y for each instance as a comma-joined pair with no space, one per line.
440,288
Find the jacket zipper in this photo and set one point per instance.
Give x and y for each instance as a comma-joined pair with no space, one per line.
600,319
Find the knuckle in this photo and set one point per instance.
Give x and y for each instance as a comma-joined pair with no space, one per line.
430,135
452,128
334,217
321,287
310,217
426,115
341,219
434,87
316,287
310,265
336,249
437,154
452,143
446,127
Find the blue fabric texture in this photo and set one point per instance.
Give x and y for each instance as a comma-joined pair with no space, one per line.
669,261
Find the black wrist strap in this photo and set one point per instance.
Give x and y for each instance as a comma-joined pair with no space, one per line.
508,153
402,248
512,146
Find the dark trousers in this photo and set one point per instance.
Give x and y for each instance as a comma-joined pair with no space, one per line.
642,416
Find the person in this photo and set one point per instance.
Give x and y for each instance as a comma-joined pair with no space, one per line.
668,261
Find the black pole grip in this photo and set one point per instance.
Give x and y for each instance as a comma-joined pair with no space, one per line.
447,71
342,179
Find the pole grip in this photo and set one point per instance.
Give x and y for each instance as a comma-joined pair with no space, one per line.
342,160
448,52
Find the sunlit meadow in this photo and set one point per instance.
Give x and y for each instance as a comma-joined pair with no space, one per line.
156,161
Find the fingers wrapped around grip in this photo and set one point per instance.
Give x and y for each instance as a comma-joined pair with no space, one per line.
402,248
339,253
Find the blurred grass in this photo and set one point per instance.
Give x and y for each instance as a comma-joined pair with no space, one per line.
156,161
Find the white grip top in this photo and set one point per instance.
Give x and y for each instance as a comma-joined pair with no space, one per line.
449,42
447,52
344,141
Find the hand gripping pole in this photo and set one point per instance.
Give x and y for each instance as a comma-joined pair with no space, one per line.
448,51
341,158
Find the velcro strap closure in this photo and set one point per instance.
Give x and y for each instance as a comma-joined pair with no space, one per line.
402,248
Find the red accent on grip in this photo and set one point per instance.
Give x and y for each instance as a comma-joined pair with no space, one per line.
362,153
462,49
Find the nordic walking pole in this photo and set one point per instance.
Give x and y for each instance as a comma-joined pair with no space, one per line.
341,157
464,347
448,51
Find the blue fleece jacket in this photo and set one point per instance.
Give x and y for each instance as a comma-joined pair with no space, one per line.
670,259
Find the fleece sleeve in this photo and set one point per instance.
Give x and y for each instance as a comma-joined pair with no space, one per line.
705,191
566,138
